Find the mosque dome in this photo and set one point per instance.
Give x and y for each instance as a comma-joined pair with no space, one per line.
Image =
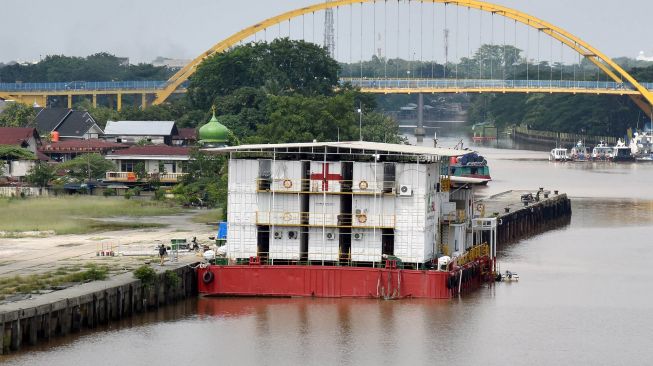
214,133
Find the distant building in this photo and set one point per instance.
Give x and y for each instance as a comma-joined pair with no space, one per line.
642,57
67,150
21,137
185,137
25,137
133,132
172,63
68,123
165,163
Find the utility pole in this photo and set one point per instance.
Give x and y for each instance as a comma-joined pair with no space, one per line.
360,121
329,32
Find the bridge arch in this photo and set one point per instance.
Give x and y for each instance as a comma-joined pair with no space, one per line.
643,98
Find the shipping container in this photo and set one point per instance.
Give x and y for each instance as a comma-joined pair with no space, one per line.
324,210
285,243
279,209
326,177
373,211
323,244
366,245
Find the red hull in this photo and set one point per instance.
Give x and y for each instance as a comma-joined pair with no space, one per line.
331,282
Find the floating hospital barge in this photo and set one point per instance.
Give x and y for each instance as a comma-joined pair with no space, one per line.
348,219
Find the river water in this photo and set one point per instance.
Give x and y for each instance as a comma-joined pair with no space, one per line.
584,298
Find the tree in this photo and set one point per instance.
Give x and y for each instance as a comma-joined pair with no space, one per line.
17,115
10,152
41,174
86,166
283,66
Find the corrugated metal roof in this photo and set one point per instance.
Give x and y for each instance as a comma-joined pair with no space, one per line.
140,128
154,150
354,145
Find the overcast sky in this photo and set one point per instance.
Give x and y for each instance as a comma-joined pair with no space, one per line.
144,29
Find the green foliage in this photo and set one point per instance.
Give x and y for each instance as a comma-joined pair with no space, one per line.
87,165
17,115
10,152
41,174
97,67
109,192
590,114
146,274
280,67
171,279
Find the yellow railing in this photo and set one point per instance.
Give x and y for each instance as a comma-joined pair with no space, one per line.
473,254
316,219
132,177
361,186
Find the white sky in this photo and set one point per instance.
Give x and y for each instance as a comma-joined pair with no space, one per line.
144,29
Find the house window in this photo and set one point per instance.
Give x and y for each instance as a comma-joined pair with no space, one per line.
127,165
170,166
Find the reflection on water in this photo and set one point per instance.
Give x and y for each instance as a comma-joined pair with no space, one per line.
583,298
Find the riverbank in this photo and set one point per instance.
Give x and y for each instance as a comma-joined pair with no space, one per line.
89,305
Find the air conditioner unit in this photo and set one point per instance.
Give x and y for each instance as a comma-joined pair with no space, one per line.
358,236
405,190
331,236
278,234
292,235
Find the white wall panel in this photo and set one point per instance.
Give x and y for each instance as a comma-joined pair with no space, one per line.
321,247
325,177
368,248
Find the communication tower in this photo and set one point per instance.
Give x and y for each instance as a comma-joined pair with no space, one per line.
329,32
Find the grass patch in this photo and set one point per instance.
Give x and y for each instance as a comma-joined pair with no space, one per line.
64,275
72,215
214,215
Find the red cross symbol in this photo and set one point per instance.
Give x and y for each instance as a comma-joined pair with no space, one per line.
325,177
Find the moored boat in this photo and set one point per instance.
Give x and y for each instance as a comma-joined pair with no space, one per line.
329,220
622,152
602,152
470,168
559,154
580,152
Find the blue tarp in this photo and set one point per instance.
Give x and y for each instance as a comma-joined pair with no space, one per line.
222,231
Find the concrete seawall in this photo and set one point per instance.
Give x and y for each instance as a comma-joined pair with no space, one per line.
89,305
517,221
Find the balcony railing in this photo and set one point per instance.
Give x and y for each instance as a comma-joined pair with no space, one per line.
126,177
319,219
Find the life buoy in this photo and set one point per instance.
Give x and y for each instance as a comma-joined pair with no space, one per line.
363,185
287,183
480,207
287,216
207,277
362,218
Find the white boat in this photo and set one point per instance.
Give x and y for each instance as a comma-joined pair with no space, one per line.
509,277
559,154
641,146
580,152
622,152
602,152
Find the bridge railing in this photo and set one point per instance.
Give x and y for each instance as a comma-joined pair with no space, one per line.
372,83
83,85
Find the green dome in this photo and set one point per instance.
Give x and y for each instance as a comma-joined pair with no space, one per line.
214,133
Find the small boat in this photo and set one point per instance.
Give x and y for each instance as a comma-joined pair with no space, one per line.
559,154
602,152
622,152
468,166
580,152
641,146
509,277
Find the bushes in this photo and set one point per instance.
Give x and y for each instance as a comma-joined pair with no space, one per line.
146,274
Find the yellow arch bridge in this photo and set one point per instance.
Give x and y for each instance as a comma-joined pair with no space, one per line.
157,92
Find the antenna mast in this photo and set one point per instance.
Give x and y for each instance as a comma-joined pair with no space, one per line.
329,32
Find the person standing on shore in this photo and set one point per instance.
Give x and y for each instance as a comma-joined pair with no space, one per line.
162,253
